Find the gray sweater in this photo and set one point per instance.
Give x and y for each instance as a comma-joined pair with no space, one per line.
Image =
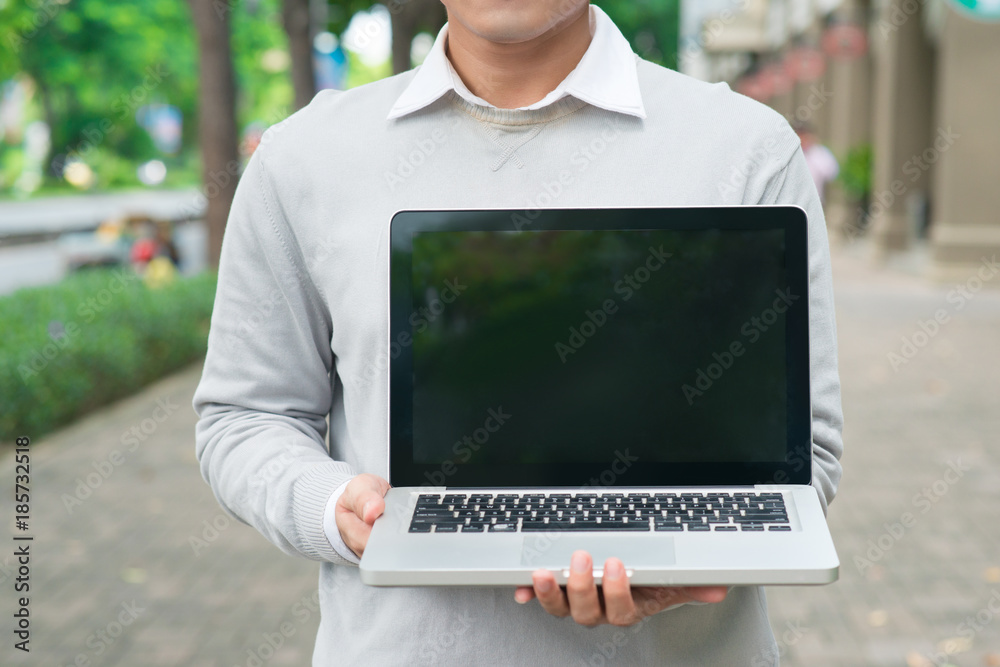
299,329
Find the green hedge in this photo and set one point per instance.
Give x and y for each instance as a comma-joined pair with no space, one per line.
93,338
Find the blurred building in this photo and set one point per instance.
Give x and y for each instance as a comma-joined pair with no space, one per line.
914,80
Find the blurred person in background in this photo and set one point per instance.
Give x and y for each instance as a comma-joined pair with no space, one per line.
822,164
519,104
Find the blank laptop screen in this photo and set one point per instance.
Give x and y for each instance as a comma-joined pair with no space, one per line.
570,349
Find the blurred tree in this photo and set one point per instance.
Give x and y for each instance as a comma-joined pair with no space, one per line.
216,117
94,63
408,17
296,19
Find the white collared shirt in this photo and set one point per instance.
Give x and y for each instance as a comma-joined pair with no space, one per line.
605,76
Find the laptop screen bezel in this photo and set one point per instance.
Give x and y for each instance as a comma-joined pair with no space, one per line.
794,469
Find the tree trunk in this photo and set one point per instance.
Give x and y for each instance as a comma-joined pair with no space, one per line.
295,15
216,117
408,17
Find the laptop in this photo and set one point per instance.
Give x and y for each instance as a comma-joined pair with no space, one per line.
633,382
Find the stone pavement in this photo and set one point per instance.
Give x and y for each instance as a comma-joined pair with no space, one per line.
134,563
917,516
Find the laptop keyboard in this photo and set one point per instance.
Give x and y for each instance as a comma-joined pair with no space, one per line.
668,512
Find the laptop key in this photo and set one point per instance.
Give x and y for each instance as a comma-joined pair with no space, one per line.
503,528
779,527
613,524
446,528
551,525
674,527
420,527
725,528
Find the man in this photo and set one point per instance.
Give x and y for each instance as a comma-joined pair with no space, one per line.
822,164
521,104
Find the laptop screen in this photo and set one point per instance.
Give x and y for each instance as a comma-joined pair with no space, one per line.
631,348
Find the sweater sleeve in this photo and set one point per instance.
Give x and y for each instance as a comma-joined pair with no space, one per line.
794,186
265,390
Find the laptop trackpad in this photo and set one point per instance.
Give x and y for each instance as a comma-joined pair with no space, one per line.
553,550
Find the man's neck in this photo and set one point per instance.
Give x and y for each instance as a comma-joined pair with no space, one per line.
516,75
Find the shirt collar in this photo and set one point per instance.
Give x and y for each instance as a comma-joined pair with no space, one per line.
605,77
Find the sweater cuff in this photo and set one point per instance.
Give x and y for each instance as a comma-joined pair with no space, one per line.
332,531
312,492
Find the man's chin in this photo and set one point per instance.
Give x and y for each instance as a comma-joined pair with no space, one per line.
512,22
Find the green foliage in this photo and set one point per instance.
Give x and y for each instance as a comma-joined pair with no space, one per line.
95,62
651,26
262,95
358,73
856,172
11,164
95,337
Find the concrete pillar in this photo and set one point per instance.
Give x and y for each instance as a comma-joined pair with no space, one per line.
903,118
849,106
965,224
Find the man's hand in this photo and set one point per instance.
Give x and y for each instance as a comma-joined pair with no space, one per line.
358,507
615,602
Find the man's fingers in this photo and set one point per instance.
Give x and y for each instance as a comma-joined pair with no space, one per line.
524,594
363,496
707,593
550,596
358,507
354,531
619,607
581,591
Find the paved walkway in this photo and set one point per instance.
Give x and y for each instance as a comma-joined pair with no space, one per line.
135,564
